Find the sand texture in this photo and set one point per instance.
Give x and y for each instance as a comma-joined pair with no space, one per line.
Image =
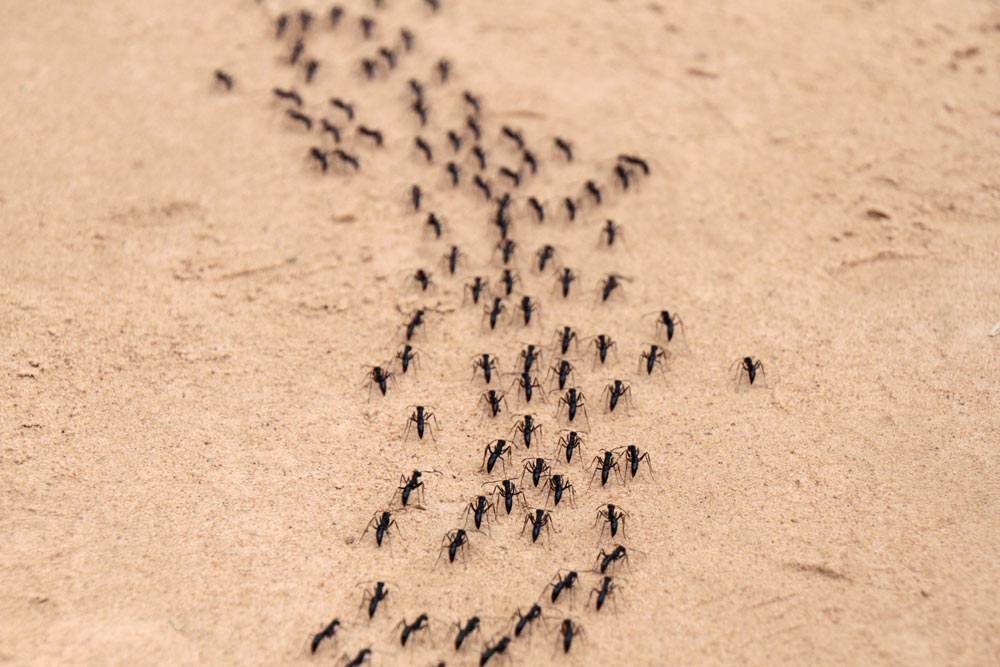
189,449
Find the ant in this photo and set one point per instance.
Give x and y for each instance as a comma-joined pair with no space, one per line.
477,287
565,279
412,628
633,458
514,176
594,191
565,147
453,171
560,584
374,597
568,630
527,307
514,136
613,516
605,464
610,231
382,521
574,401
367,24
480,509
300,117
370,67
570,208
424,148
604,343
415,196
363,656
507,279
456,141
495,453
421,417
538,208
320,157
280,24
539,519
748,367
493,398
495,311
531,161
485,362
416,321
615,391
331,128
379,376
523,620
473,126
480,156
371,134
348,158
483,186
297,50
527,384
224,78
472,101
558,484
417,88
406,355
390,58
623,176
561,372
472,625
538,468
288,95
527,428
655,356
544,255
411,484
335,13
311,68
496,649
454,541
566,336
607,587
507,247
343,106
636,161
325,633
608,559
435,5
305,18
422,279
609,285
528,356
444,69
407,37
508,490
569,442
434,223
669,322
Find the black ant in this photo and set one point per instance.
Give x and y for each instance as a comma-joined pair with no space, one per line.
477,287
495,311
633,458
416,87
434,223
422,279
224,78
480,509
297,50
527,384
382,521
544,255
311,68
485,362
424,148
435,5
348,158
568,630
331,129
472,101
367,24
669,322
594,191
531,161
565,279
343,106
570,443
523,620
565,147
613,516
605,464
610,232
483,186
561,372
421,417
379,376
455,140
527,427
375,135
300,117
416,321
453,542
415,196
558,485
508,278
407,37
527,357
335,14
539,519
615,391
389,56
493,398
495,451
607,588
473,126
374,597
566,336
451,259
538,208
560,584
318,155
748,367
443,69
514,136
636,161
607,559
507,247
325,633
410,629
420,109
527,306
514,176
280,24
508,491
411,484
472,625
370,67
288,95
407,355
538,468
574,401
609,284
655,356
604,344
453,171
496,649
480,156
623,176
305,18
570,208
363,656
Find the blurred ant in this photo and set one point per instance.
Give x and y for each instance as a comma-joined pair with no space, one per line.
594,191
480,156
407,37
305,18
435,5
367,24
749,368
343,106
523,620
471,100
570,208
453,172
507,247
514,176
508,278
543,256
297,50
335,14
605,464
654,357
538,468
369,67
382,521
363,656
389,56
606,589
374,135
379,376
565,279
324,633
623,176
409,485
280,24
472,625
493,398
494,312
539,519
483,186
311,67
561,583
480,509
473,126
636,161
300,117
415,196
632,460
331,129
417,320
477,287
374,597
570,443
434,223
566,335
455,140
565,147
538,208
614,517
527,306
530,160
507,490
410,629
424,148
608,559
562,372
224,78
406,356
609,284
527,427
420,109
443,69
422,279
496,649
318,155
669,322
487,363
421,416
416,87
609,232
574,401
603,343
348,158
567,631
495,451
527,358
454,542
558,485
513,135
615,391
288,95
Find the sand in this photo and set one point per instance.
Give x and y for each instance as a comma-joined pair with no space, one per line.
188,452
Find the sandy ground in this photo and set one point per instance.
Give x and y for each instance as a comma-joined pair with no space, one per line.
188,455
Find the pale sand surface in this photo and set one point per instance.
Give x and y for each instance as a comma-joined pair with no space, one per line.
187,453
